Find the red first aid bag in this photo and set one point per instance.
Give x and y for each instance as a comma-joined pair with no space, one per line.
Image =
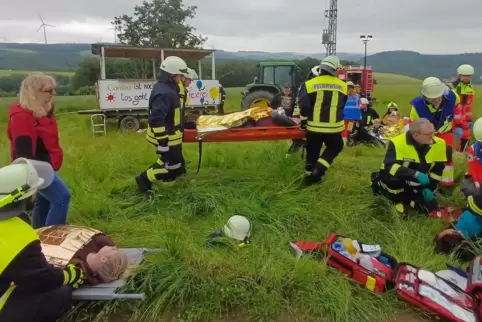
434,294
374,273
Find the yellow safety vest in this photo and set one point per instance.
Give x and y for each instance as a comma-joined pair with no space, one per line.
327,114
15,235
408,155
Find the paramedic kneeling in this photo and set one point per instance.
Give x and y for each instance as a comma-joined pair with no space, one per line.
30,288
413,167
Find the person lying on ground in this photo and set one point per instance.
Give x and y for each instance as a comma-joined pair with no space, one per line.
31,289
467,229
85,247
412,169
473,178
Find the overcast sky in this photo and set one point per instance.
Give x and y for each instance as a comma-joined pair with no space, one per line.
427,26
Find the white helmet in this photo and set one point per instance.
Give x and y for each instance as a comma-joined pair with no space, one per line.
432,87
175,66
465,70
238,228
22,179
192,74
350,83
316,70
364,101
330,64
477,129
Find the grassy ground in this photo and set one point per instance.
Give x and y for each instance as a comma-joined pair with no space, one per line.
262,282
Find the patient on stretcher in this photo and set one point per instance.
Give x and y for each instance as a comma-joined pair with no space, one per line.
88,248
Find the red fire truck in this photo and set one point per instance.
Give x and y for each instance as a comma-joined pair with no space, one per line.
359,76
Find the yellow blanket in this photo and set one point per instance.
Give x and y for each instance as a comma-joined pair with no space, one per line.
214,123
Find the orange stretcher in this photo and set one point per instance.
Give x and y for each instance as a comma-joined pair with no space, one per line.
267,132
271,133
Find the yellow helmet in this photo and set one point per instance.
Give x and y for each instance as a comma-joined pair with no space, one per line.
477,129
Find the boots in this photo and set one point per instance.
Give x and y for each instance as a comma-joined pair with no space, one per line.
143,182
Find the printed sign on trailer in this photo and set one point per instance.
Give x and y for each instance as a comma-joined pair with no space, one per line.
134,94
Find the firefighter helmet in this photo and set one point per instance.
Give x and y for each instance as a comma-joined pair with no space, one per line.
350,83
175,66
432,87
392,105
364,101
28,175
238,227
477,129
316,70
192,74
330,64
465,70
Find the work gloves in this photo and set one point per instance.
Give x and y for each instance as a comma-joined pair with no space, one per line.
458,132
73,276
422,178
427,195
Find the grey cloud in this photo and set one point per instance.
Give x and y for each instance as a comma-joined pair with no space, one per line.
408,23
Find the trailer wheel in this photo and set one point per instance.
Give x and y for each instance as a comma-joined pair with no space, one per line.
129,123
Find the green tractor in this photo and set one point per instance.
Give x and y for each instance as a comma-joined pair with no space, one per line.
271,76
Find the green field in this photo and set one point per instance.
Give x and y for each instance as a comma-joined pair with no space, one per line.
4,72
264,281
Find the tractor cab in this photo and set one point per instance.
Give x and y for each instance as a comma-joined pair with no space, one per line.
359,76
271,76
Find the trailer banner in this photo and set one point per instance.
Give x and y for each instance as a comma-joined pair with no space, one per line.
125,94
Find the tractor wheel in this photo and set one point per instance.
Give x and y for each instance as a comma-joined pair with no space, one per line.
129,123
257,98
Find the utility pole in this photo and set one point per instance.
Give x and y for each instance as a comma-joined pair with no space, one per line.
329,35
365,39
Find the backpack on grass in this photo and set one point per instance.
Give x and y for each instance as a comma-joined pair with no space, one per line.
365,264
434,294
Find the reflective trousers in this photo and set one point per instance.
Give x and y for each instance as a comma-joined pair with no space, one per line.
321,150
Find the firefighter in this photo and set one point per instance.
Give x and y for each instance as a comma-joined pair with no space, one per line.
473,178
437,104
412,169
164,124
300,144
368,113
222,92
30,288
285,99
322,100
463,114
391,107
352,112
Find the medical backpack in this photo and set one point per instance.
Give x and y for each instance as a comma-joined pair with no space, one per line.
377,279
434,294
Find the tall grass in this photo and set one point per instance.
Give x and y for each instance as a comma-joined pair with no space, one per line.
264,281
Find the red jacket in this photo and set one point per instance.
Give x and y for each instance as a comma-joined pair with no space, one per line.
475,164
32,138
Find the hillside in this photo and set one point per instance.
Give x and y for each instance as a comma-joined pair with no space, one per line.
418,65
65,57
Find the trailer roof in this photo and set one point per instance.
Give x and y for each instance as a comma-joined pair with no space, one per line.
116,51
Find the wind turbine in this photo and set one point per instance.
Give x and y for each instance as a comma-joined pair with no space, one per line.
44,25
